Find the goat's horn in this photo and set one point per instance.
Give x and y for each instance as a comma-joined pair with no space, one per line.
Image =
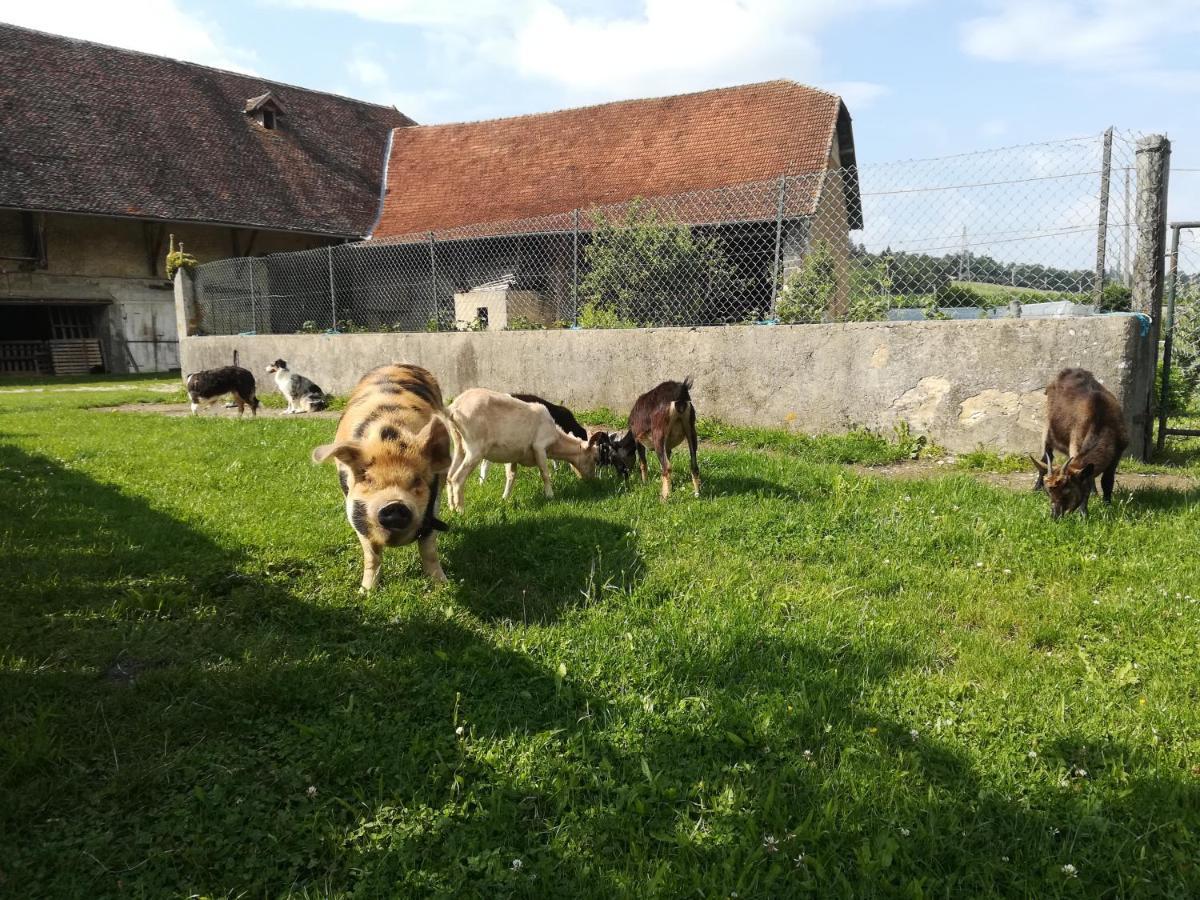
1067,464
1049,462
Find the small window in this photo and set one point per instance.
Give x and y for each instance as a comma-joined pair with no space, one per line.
481,313
268,119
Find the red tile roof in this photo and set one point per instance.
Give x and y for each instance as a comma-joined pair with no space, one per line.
95,129
444,176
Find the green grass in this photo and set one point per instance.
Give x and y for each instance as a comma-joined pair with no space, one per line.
806,683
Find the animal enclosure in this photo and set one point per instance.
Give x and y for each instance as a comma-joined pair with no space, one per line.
1045,229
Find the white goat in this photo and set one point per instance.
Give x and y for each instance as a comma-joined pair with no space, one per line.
487,425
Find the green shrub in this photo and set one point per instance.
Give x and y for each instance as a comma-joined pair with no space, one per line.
870,291
1116,298
177,260
1185,344
593,315
648,268
951,294
807,291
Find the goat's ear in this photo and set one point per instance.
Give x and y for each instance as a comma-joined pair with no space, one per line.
434,441
1085,473
348,453
1041,466
597,437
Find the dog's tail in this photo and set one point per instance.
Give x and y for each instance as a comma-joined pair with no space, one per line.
318,401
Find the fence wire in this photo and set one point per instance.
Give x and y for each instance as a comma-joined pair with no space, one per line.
1032,230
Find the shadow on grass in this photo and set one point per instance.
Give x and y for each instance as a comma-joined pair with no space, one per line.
510,570
1162,499
174,721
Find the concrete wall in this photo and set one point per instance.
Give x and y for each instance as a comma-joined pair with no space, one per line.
965,384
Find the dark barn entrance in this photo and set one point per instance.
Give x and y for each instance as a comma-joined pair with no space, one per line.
50,338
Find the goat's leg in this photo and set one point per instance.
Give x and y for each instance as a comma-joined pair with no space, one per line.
1087,493
459,480
371,558
641,455
1107,480
510,478
1047,458
539,456
664,465
483,470
693,442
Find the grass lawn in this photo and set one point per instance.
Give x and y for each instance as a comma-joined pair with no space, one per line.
809,682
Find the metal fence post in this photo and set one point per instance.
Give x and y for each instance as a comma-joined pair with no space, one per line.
433,283
575,268
332,295
778,243
1102,224
1153,167
1172,278
253,306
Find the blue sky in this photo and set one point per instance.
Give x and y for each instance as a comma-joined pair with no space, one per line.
922,78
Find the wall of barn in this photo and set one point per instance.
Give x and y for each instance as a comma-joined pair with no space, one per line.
963,383
117,266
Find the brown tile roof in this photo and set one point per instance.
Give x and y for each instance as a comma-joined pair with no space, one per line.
94,129
444,176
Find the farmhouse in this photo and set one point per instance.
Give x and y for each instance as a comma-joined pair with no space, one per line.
515,193
105,153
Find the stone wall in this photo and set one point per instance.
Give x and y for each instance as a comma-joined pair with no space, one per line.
964,384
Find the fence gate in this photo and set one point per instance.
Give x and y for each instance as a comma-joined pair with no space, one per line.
1183,289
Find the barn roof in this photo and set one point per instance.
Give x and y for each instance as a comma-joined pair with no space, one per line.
94,129
524,167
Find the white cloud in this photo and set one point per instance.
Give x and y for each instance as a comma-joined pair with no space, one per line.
858,94
444,13
162,27
655,47
367,71
370,71
993,128
1123,38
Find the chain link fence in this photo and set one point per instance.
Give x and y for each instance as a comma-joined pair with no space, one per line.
1041,229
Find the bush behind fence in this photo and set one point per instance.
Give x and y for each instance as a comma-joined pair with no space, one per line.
971,235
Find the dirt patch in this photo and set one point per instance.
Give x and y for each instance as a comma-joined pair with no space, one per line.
182,409
1017,481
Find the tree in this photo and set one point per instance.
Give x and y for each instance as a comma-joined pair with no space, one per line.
647,268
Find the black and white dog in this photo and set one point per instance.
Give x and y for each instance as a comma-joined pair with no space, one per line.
204,388
301,394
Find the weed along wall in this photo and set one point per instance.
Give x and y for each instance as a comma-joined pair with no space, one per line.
963,384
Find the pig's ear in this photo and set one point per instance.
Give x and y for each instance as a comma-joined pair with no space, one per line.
349,453
434,441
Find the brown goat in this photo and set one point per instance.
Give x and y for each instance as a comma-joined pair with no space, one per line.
663,417
1084,421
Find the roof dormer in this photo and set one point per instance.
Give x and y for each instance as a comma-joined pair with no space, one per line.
265,110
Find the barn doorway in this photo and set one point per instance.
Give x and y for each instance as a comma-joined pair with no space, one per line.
50,338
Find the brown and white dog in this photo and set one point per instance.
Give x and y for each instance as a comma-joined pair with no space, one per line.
207,387
392,452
